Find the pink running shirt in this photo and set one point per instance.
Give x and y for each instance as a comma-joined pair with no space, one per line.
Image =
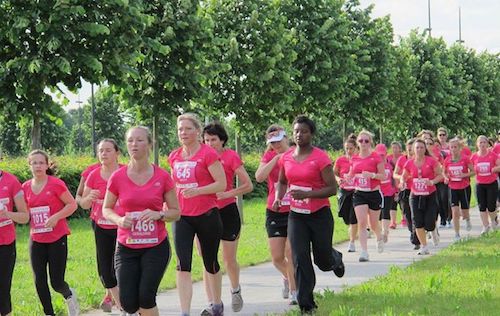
230,161
369,163
85,173
272,182
193,173
418,175
133,200
386,185
9,189
483,166
42,206
344,165
456,168
306,176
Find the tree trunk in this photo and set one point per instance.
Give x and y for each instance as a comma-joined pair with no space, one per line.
94,145
156,141
239,198
36,133
344,127
381,132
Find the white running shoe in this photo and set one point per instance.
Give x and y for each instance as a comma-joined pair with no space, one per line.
457,238
468,225
72,303
423,251
293,298
380,246
494,225
486,229
435,237
351,247
363,257
236,300
285,292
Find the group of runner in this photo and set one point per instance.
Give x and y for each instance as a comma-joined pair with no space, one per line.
129,205
430,182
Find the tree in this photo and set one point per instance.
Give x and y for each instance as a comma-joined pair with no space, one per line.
44,43
253,55
171,69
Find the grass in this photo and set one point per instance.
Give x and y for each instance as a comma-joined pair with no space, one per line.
81,272
461,280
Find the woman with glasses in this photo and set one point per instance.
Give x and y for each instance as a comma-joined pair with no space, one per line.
277,219
443,141
367,170
423,172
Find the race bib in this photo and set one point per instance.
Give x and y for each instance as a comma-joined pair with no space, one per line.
420,187
97,213
285,201
348,183
300,206
141,232
483,169
387,178
185,174
39,217
455,172
3,204
362,183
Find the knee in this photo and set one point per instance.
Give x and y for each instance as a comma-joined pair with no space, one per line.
278,257
147,300
212,267
129,302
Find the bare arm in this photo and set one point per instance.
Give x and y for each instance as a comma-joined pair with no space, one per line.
88,197
109,213
21,216
265,169
68,209
217,172
245,186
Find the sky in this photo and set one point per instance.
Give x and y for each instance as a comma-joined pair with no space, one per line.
480,25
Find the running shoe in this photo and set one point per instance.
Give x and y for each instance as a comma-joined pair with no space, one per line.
285,292
380,245
435,237
340,269
457,238
107,304
351,247
370,234
423,251
403,222
293,298
442,225
207,311
72,304
416,247
392,226
494,225
363,257
236,300
218,309
448,224
468,225
485,230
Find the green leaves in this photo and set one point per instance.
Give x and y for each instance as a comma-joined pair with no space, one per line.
95,29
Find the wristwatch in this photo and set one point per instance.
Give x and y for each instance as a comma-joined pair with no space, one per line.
162,215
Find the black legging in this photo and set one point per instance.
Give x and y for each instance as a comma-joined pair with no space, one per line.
54,255
7,262
486,196
208,229
404,203
304,231
139,273
443,201
423,209
105,245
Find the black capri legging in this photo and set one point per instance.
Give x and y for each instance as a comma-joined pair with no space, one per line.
486,196
139,273
387,207
208,229
424,209
105,245
7,262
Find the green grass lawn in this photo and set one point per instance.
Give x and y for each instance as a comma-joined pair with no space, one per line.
81,272
463,279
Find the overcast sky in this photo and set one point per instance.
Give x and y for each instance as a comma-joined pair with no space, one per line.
480,24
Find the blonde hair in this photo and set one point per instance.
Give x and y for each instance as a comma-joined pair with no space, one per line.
143,128
193,118
367,133
482,137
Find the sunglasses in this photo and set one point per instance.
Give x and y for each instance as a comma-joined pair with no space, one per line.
442,135
364,140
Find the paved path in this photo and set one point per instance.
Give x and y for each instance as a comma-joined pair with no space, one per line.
261,284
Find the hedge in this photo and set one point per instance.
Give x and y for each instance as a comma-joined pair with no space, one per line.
69,168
